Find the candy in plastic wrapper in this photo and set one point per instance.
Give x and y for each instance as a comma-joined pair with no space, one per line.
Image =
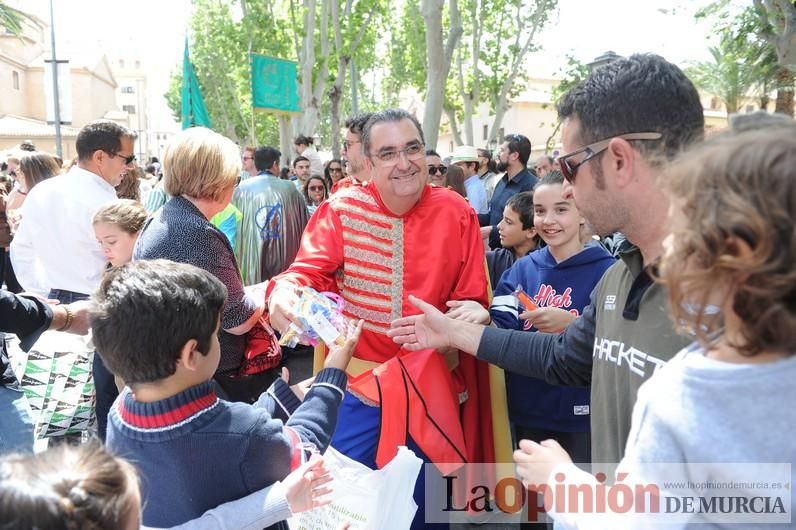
319,319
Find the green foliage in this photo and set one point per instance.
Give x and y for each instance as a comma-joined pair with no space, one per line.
12,19
744,63
223,33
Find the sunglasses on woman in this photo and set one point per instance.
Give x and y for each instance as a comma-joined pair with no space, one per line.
432,170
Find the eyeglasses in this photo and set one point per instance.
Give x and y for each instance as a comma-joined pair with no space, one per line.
127,159
568,171
348,143
432,170
414,151
248,158
316,188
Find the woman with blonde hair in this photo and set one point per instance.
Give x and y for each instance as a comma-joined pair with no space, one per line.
201,169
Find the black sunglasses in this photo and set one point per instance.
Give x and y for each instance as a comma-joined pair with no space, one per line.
569,170
127,159
432,170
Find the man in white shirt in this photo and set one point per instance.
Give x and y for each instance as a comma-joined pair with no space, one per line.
466,157
55,252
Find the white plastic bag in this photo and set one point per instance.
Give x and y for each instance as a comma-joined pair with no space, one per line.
368,499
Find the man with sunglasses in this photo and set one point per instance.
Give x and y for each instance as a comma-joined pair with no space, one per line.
374,245
436,169
513,159
54,252
620,127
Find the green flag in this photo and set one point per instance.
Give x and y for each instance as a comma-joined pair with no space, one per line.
194,112
274,84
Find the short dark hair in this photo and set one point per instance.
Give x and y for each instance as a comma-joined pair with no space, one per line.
431,152
519,143
145,311
264,157
522,204
300,159
303,140
356,123
101,135
386,116
640,93
552,177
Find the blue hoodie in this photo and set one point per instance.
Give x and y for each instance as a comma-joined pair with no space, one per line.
568,285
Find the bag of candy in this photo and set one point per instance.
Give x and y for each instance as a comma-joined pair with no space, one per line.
319,319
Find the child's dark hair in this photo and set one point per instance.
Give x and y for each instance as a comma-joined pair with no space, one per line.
145,311
68,488
522,204
736,191
552,177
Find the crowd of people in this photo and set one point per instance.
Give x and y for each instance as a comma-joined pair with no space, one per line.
637,291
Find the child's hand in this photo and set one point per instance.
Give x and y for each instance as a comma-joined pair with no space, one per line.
468,311
549,319
340,357
305,487
534,462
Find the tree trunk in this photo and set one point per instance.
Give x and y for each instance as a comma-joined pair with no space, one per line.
307,61
502,104
285,138
457,135
785,80
439,62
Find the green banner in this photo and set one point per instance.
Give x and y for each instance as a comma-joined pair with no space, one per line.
274,84
193,110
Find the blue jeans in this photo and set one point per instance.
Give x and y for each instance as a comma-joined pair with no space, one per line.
16,425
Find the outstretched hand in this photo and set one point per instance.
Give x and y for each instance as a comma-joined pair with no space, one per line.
534,462
306,486
468,311
431,329
280,307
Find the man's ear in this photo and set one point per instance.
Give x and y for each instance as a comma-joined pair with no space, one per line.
98,156
622,158
188,355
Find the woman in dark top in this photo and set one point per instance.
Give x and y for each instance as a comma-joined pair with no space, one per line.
201,169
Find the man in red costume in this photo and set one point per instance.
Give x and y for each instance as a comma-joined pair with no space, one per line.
375,245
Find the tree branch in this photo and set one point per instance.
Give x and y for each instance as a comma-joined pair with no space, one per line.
454,32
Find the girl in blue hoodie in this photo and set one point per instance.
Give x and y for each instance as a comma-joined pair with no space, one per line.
559,279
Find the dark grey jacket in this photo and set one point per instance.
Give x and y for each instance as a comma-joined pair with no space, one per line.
623,336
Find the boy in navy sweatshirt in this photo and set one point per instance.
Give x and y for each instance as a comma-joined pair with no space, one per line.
156,324
559,279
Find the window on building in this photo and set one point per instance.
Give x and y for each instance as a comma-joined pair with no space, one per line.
15,80
715,103
129,109
502,134
121,63
486,132
128,90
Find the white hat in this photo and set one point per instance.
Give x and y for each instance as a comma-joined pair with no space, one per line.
464,153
